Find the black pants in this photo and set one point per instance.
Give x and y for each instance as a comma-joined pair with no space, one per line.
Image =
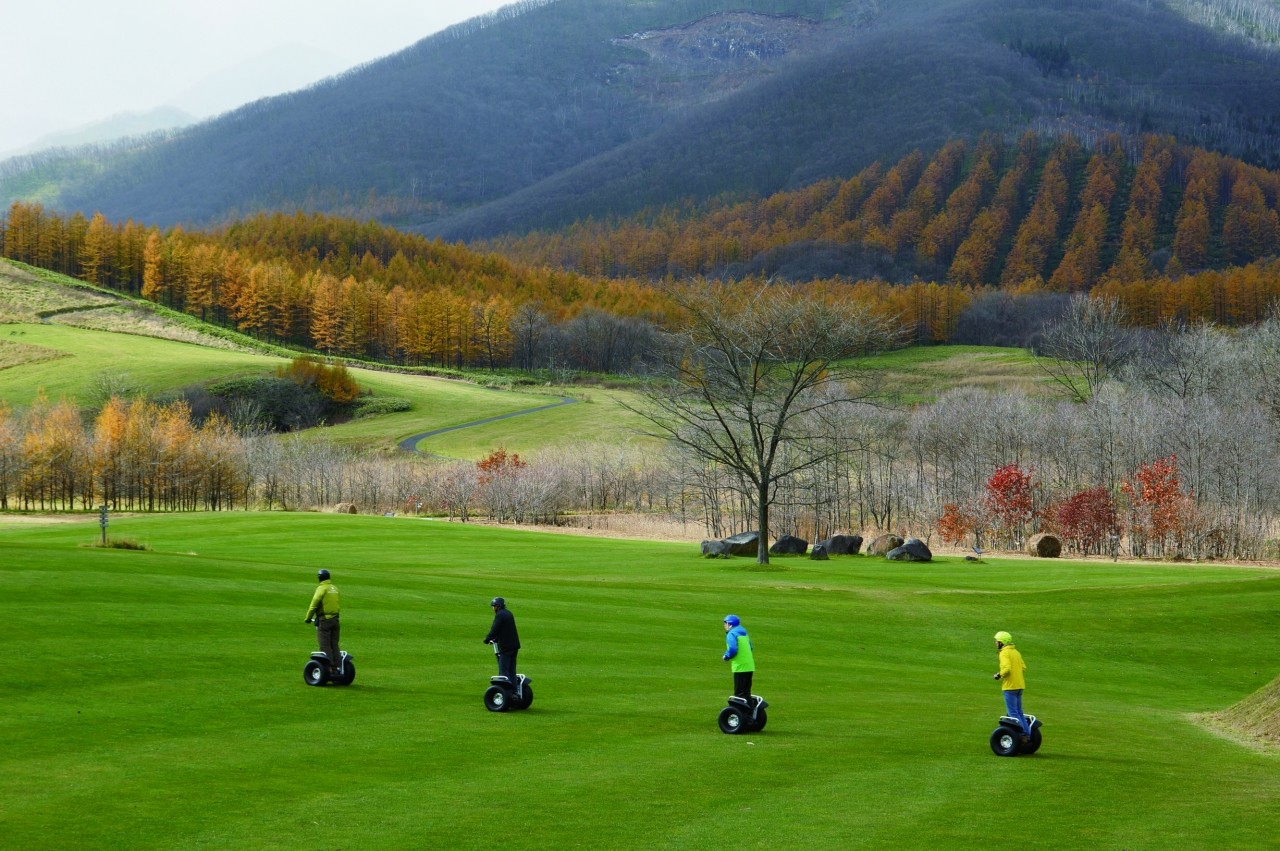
742,684
507,665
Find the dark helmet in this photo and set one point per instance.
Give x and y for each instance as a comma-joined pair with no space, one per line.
498,603
322,575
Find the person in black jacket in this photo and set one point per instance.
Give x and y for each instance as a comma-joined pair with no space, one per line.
503,634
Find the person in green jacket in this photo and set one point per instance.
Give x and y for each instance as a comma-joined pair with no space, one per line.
324,612
1012,679
738,653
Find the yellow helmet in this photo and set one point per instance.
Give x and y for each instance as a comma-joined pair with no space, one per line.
1004,637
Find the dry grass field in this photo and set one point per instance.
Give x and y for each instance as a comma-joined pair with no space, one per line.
33,296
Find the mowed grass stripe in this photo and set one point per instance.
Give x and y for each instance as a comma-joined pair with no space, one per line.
155,699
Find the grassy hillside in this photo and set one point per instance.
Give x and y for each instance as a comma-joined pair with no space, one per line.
69,362
923,373
73,360
74,363
177,717
439,403
597,416
40,353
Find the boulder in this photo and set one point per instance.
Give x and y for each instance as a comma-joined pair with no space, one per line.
912,549
1045,545
715,549
743,543
843,545
789,545
882,544
819,553
345,508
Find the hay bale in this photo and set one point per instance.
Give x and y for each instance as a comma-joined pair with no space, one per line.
346,508
1045,545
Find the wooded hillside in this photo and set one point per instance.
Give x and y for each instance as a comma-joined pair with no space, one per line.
548,113
1168,231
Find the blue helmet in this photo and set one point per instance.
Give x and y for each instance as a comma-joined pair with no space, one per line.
322,575
732,620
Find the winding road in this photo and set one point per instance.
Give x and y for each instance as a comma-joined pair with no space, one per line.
410,444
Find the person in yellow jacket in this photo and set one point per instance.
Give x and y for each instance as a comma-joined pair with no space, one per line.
324,612
1012,676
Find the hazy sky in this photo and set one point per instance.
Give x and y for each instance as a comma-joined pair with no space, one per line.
72,62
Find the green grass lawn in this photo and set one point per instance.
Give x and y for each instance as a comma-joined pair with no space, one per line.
150,362
437,403
155,699
597,417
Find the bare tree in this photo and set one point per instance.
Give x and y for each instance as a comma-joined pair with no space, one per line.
1086,347
748,373
1183,361
1261,363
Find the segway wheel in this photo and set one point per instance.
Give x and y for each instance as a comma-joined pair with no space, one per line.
526,697
315,674
1033,745
348,674
760,720
732,720
496,699
1005,742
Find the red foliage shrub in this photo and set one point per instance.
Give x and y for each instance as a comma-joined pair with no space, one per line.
1087,520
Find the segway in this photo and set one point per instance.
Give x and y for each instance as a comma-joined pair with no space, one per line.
1006,740
318,671
503,694
743,715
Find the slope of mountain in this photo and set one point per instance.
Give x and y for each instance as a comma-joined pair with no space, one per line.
109,129
551,111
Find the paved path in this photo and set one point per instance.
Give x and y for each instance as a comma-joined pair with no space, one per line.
410,444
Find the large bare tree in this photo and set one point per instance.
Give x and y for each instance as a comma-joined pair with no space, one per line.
1086,347
748,374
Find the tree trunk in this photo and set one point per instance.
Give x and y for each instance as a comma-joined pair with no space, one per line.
762,522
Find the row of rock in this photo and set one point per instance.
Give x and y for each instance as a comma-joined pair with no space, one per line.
891,547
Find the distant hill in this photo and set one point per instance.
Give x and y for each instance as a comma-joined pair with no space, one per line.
121,125
553,111
977,243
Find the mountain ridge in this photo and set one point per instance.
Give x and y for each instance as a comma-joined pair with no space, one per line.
553,111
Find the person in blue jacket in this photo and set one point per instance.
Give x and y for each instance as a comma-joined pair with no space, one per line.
738,653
